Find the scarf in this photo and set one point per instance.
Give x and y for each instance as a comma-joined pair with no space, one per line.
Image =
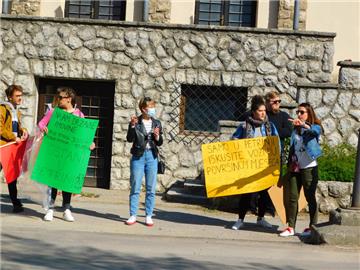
252,123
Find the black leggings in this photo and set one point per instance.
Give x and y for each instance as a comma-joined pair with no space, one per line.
245,201
13,193
66,197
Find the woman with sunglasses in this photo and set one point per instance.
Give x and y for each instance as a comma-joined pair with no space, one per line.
304,150
256,125
65,100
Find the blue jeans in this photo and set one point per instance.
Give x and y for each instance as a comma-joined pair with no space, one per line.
146,164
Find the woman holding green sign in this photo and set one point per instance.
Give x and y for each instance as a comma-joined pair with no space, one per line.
256,125
65,100
145,132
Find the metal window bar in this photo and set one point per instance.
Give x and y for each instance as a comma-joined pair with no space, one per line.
197,110
95,9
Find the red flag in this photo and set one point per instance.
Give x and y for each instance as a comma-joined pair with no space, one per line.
11,156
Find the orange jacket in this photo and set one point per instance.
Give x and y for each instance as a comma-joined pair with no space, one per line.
6,132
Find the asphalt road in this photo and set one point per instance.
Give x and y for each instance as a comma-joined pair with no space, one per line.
184,237
37,249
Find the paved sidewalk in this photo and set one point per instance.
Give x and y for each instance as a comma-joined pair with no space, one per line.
107,212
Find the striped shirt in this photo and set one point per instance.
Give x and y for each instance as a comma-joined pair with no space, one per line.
148,127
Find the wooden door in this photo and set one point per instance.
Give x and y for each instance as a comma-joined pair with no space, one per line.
96,100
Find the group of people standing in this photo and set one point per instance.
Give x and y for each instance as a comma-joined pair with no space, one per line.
266,119
145,134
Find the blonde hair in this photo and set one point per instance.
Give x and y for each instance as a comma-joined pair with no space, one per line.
271,95
145,101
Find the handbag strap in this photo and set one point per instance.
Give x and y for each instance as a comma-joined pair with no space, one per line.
159,155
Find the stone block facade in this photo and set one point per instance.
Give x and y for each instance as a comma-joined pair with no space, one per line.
154,60
286,14
25,7
159,11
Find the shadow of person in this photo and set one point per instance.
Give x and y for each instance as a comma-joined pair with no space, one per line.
253,227
188,218
7,208
97,214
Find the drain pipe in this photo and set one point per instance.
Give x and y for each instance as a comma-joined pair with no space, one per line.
296,14
146,11
5,6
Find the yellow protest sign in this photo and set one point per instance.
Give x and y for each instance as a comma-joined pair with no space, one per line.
241,166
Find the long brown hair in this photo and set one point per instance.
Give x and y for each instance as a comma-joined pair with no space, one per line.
312,118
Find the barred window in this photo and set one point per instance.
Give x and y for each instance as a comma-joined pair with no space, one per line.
94,9
226,12
198,109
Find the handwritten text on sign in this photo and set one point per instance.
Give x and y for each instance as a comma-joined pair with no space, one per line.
241,166
64,153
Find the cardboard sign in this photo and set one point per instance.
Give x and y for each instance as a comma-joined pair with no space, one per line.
277,197
64,154
241,166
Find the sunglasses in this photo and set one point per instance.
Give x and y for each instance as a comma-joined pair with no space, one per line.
61,97
301,112
276,101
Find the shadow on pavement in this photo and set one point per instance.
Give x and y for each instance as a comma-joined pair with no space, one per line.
6,208
187,218
180,217
96,214
255,228
44,255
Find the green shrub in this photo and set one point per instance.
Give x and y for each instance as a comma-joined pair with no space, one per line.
337,163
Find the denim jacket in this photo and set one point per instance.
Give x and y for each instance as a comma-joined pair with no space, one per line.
310,138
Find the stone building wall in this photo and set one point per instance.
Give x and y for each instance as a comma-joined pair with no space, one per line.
337,105
25,7
159,11
286,14
154,60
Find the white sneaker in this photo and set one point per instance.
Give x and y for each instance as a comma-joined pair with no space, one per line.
287,232
68,216
263,223
148,221
131,220
238,224
49,216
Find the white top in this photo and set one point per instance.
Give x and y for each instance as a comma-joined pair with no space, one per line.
257,132
148,126
303,158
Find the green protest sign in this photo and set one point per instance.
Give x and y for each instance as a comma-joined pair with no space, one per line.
64,153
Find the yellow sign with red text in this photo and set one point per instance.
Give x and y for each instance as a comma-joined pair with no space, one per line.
241,166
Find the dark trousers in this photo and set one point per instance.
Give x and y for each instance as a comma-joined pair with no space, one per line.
245,202
308,179
66,197
13,193
269,207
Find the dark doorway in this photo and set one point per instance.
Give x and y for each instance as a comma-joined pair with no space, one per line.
96,100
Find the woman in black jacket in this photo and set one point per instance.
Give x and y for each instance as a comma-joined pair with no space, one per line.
145,132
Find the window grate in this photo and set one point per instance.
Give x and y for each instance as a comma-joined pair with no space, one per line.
226,12
197,110
95,9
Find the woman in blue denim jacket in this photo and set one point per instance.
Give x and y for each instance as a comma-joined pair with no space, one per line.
256,125
304,150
